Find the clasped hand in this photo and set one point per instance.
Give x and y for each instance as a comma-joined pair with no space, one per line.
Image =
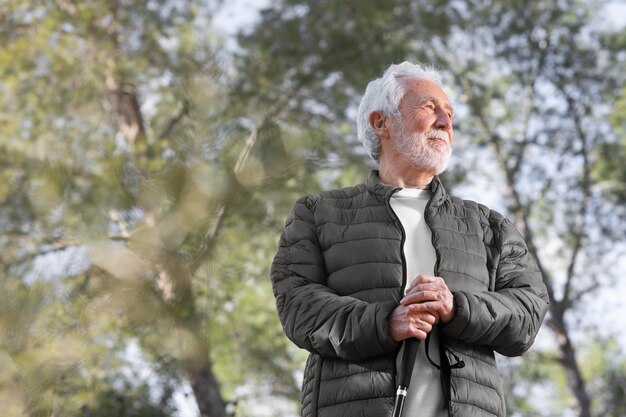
427,302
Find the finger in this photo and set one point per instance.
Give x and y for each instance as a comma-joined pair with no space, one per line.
413,306
425,321
422,296
427,317
418,280
419,334
410,329
433,307
438,282
411,299
417,285
419,312
424,279
421,286
437,286
423,326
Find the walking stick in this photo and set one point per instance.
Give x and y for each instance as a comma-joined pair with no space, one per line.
404,373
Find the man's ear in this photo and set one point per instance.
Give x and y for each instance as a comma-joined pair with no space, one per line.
379,124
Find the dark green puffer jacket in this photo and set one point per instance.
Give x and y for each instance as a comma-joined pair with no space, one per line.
339,273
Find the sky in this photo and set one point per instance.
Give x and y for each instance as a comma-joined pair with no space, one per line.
237,14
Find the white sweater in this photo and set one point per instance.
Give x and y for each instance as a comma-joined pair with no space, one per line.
425,395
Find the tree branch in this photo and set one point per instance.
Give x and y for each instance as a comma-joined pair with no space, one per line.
184,111
251,140
556,320
581,217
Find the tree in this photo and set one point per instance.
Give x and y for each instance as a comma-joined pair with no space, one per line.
562,78
532,80
124,159
146,179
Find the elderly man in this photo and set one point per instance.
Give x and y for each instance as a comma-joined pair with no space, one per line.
362,269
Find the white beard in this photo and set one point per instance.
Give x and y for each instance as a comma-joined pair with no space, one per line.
426,154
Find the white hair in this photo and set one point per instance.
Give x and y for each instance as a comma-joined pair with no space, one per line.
384,94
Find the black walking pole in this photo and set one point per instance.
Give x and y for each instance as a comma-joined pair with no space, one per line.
404,373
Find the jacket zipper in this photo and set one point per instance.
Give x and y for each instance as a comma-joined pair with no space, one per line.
446,373
432,239
403,234
398,224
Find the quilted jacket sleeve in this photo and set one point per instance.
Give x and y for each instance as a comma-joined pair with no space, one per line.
313,316
507,319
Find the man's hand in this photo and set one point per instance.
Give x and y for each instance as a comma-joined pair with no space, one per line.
406,321
429,294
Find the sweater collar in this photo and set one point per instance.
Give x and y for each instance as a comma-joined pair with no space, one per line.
375,186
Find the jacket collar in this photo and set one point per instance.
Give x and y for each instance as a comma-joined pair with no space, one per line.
375,186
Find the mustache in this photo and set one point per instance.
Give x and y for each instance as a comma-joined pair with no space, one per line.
438,134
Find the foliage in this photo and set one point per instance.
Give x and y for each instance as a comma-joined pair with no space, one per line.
119,149
57,360
531,83
609,172
145,173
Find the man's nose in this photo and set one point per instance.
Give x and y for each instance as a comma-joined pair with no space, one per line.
444,121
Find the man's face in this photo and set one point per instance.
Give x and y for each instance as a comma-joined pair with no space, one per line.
423,133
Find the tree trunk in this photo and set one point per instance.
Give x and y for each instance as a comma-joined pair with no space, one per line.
557,324
557,308
206,390
569,362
